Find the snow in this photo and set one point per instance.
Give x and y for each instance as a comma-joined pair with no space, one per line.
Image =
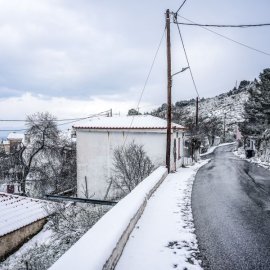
232,105
213,148
164,236
126,122
96,246
17,211
15,136
256,160
61,231
43,237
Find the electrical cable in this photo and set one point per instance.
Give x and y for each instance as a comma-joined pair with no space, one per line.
151,68
74,121
184,48
147,79
224,25
230,39
181,6
70,122
12,130
56,120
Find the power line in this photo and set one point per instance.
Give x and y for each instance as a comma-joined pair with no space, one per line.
151,68
184,48
224,25
56,120
70,122
93,115
230,39
181,6
147,79
12,130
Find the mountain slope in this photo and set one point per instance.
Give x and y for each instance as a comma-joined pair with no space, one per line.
230,103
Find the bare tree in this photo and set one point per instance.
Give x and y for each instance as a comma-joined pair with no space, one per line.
42,138
46,158
57,172
131,166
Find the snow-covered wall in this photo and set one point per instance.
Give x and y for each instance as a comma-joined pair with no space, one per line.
101,247
95,155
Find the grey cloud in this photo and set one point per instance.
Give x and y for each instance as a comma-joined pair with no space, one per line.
82,48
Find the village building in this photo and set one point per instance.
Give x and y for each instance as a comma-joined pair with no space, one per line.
21,218
98,138
5,146
13,142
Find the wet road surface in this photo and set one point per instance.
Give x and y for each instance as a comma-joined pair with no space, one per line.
231,210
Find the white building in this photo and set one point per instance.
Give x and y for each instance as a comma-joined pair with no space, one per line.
97,139
13,142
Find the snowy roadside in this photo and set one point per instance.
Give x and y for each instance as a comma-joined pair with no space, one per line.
241,154
212,148
164,237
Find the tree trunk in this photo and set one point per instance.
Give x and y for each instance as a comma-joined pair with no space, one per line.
23,181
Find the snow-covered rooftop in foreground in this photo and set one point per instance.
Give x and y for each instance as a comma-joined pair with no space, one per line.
17,211
15,136
126,122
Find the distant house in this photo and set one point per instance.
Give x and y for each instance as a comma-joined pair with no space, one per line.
12,188
5,146
15,140
21,218
97,140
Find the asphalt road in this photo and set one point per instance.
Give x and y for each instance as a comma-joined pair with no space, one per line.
231,210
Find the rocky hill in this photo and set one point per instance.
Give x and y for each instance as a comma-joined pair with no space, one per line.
230,103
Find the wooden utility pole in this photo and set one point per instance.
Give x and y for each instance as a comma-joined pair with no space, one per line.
224,127
197,113
169,97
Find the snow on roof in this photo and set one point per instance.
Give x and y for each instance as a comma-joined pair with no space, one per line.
15,136
126,122
17,212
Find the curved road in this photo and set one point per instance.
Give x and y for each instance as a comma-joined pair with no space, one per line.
231,203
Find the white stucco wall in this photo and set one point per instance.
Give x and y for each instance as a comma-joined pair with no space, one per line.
95,155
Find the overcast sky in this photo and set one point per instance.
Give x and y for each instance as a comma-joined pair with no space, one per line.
74,58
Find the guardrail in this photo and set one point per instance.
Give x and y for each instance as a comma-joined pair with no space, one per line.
81,200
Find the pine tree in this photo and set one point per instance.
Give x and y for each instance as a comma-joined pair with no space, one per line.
257,108
265,90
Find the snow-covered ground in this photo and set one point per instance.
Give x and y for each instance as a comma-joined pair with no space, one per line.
212,148
44,237
164,237
241,154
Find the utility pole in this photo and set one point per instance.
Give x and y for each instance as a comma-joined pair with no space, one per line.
169,94
197,113
224,127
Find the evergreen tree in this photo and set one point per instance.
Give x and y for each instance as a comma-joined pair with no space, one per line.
265,90
257,108
133,112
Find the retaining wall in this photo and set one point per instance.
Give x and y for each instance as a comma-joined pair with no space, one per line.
102,246
12,241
